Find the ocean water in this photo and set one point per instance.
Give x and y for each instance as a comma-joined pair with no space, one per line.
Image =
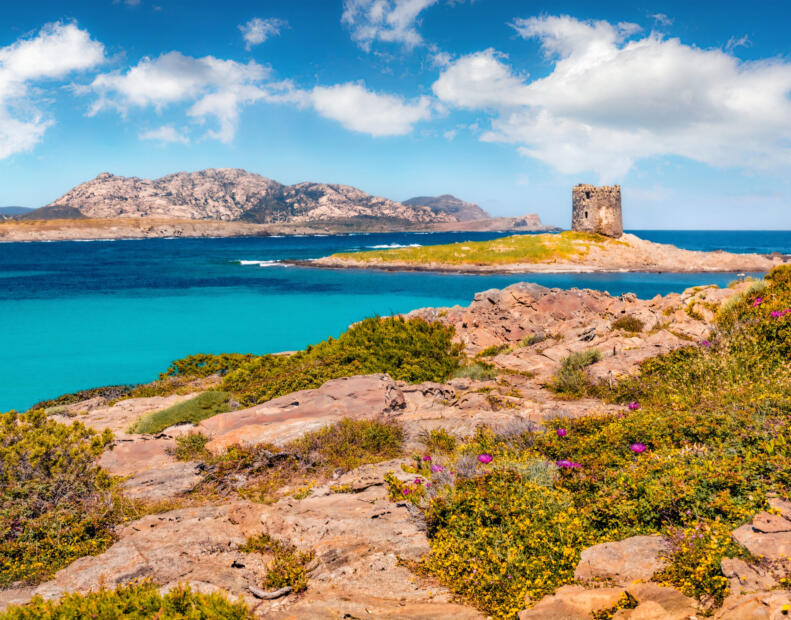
75,315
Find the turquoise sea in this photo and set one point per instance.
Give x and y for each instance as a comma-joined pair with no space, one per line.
75,315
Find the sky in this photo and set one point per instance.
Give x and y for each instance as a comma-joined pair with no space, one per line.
687,105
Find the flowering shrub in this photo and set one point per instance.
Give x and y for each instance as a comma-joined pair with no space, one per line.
707,437
288,567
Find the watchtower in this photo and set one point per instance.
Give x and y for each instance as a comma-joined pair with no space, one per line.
597,209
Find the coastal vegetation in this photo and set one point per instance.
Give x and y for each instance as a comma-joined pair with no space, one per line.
411,350
136,600
702,446
202,406
514,249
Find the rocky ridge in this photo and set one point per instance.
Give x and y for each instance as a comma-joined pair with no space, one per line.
230,194
462,211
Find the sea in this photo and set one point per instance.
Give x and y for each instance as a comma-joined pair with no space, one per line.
75,315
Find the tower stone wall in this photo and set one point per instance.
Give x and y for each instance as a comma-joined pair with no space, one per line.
597,209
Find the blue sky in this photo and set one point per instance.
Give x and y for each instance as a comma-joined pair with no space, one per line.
507,104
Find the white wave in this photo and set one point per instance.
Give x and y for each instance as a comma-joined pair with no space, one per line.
390,246
262,263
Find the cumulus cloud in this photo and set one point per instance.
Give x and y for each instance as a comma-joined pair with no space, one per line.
612,99
165,134
359,109
258,30
391,21
56,51
215,88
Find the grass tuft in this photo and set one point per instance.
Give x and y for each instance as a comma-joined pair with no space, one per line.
194,410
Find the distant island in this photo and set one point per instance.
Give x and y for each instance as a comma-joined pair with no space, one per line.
233,202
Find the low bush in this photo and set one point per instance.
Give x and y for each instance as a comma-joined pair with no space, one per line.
408,350
191,447
134,601
629,324
55,503
110,392
477,371
205,364
194,410
571,378
288,568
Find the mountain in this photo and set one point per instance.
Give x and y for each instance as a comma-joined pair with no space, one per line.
231,194
9,211
450,205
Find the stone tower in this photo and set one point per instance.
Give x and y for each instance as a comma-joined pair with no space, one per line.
597,209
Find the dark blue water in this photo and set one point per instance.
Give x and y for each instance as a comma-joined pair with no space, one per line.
81,314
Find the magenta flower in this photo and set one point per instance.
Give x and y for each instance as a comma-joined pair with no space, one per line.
405,491
758,301
634,406
427,458
638,448
561,432
776,313
437,468
418,481
485,458
566,464
705,343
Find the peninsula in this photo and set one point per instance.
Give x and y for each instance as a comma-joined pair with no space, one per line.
596,243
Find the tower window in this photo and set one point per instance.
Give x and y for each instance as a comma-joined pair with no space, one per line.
588,196
586,215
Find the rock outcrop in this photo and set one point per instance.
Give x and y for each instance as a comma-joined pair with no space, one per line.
462,211
623,562
232,194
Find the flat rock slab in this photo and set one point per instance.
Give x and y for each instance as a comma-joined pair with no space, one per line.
164,483
128,457
622,562
759,606
767,537
283,419
656,602
572,603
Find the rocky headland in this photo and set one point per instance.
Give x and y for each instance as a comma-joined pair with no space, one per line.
551,253
378,549
197,204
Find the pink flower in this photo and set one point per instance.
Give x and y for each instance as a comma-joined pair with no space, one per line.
638,448
418,481
561,432
758,301
485,458
634,406
705,343
437,468
405,491
427,458
566,464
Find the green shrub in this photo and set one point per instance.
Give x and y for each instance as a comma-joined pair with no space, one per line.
110,392
191,447
438,441
629,324
194,410
205,364
571,378
135,601
478,371
288,568
55,503
408,350
495,349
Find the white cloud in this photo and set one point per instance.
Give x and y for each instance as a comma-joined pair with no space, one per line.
734,42
56,51
391,21
215,88
450,134
359,109
165,134
611,100
258,30
661,19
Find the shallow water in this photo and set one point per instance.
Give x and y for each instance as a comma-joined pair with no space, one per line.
76,315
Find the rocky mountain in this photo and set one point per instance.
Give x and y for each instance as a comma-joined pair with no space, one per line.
450,205
11,211
235,195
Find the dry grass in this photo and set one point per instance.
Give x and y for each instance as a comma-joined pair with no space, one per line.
506,250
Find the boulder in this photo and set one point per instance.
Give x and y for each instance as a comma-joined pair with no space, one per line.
655,602
572,603
773,605
768,536
622,562
283,419
744,578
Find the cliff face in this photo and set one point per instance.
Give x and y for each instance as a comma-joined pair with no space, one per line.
233,194
450,205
